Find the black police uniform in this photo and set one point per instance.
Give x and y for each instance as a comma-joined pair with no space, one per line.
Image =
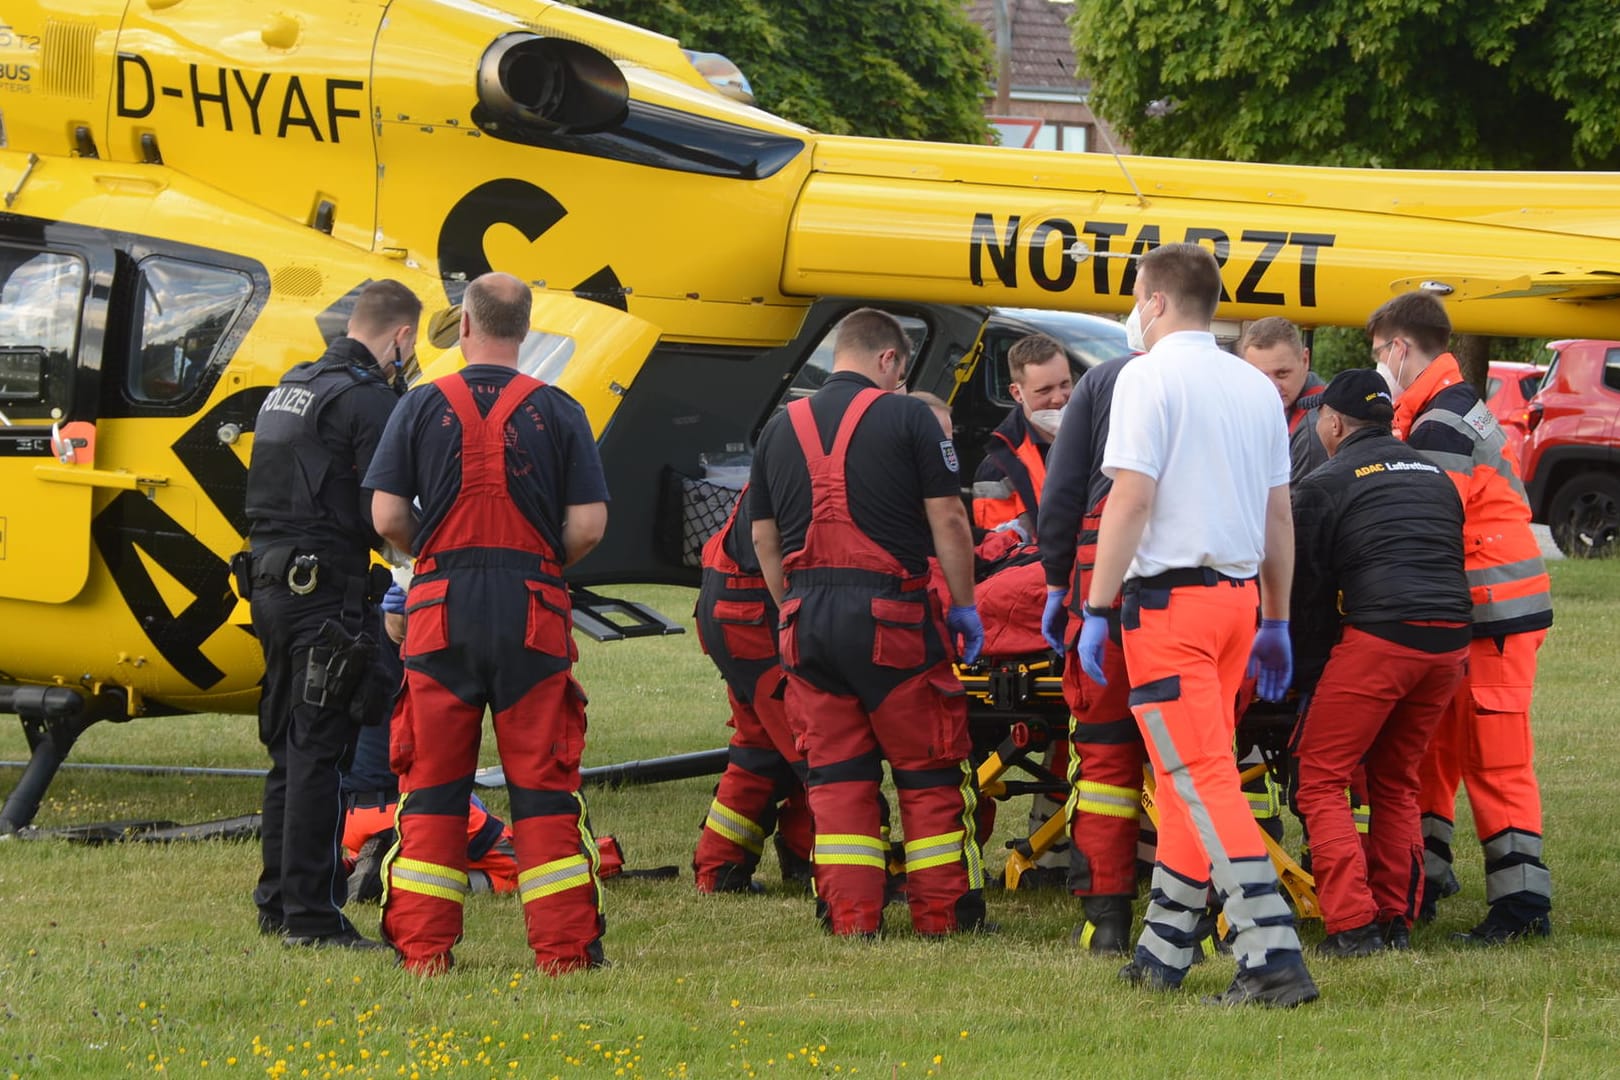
311,535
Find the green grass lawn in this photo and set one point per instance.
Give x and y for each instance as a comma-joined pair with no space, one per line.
136,958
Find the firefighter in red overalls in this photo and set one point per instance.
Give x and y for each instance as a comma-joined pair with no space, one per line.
511,491
736,620
849,487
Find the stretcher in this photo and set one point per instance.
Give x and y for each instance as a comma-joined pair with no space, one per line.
1016,710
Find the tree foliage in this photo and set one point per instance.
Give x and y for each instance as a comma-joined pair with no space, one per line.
907,69
1514,84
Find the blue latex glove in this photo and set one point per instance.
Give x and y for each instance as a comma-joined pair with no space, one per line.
1055,619
393,601
964,622
1093,636
1271,661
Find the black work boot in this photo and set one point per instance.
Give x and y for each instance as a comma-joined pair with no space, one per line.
795,868
1207,932
1499,928
365,880
1107,928
1435,890
1149,974
1360,941
735,878
1284,988
1397,935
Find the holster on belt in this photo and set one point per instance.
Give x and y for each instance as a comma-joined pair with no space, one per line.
242,574
343,673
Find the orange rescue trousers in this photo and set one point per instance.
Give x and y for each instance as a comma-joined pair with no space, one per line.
1484,742
1186,647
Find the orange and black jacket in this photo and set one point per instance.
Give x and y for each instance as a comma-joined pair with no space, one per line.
1443,416
1009,480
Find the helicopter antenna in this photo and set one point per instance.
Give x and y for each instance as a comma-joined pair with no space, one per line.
1102,130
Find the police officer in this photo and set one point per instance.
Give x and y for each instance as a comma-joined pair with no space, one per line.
311,533
850,490
1378,538
511,492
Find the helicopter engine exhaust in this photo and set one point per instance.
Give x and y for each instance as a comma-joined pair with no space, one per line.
553,84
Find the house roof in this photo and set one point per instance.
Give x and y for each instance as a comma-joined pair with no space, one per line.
1042,53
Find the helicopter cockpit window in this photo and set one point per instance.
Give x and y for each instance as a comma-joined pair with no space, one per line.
186,308
40,297
819,366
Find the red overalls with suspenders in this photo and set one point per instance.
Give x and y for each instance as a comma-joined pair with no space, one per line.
734,613
488,624
869,678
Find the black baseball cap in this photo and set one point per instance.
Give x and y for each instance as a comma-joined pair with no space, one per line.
1361,394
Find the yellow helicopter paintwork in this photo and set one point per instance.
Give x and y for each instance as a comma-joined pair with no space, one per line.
283,155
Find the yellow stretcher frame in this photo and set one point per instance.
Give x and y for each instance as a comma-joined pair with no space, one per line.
1016,691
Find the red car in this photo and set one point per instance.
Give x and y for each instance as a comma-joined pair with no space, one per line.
1572,454
1508,390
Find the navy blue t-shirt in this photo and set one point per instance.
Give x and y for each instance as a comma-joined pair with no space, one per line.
898,457
551,459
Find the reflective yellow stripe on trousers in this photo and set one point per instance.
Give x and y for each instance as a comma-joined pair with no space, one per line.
553,877
733,826
849,849
429,879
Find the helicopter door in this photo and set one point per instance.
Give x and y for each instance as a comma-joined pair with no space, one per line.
50,343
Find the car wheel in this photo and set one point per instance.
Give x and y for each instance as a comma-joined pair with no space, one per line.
1585,516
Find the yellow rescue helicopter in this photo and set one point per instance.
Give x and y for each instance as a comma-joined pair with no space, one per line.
193,192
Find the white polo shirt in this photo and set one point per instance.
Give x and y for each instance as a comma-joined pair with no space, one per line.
1207,427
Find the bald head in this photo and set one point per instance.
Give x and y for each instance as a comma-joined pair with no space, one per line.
495,313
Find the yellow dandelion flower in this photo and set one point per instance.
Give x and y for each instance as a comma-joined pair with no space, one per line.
938,1058
734,1003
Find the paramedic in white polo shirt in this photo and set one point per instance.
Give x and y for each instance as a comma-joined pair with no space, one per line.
1198,453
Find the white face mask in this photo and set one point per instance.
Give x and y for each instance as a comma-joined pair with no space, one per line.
1389,379
1133,330
1392,378
1048,420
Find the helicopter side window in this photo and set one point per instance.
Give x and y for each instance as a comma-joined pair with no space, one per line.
40,297
819,365
186,308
